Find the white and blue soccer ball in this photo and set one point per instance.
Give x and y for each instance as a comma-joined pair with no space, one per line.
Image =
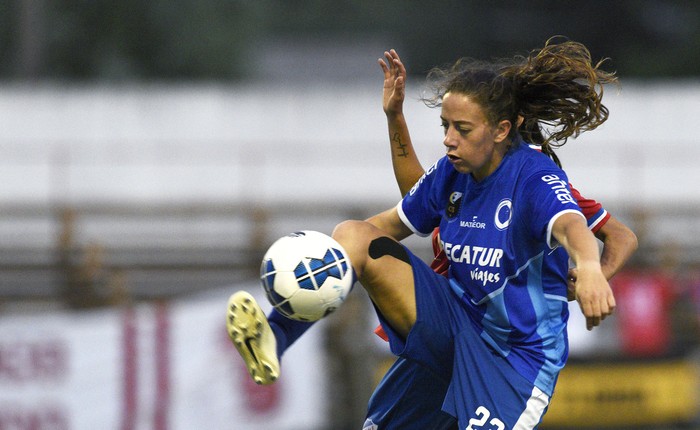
306,275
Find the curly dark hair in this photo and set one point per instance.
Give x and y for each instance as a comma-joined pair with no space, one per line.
557,91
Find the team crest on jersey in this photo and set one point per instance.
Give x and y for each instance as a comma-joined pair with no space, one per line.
504,213
453,205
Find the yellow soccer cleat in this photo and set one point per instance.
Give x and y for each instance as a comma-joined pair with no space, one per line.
252,336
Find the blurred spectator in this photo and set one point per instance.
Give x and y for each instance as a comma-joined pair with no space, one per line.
658,306
85,280
644,299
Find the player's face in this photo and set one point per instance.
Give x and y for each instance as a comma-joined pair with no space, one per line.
473,145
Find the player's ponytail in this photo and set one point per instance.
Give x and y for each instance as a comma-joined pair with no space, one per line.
556,90
558,87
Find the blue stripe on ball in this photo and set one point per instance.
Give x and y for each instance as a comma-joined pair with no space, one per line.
303,278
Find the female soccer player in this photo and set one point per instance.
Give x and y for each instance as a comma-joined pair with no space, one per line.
409,395
495,327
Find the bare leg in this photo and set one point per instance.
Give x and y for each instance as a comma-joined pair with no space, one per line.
382,268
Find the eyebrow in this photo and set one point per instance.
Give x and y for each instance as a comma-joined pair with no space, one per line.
459,121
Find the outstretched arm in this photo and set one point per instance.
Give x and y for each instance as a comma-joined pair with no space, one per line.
593,293
407,167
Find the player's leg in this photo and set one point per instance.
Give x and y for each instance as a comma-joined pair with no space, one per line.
415,305
383,267
260,340
411,395
417,308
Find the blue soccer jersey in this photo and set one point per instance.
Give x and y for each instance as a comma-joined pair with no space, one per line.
504,264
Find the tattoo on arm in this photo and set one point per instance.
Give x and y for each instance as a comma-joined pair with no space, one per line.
399,145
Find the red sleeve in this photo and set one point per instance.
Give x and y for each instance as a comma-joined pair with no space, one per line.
594,212
440,263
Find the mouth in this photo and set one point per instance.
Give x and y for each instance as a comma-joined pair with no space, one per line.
453,159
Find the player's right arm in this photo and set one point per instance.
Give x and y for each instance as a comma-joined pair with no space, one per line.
407,167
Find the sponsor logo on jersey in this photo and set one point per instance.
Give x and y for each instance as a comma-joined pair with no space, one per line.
479,255
484,276
453,204
473,224
560,188
482,257
504,213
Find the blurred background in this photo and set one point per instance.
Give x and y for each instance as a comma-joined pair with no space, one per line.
150,152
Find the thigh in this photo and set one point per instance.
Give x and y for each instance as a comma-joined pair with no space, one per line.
383,267
389,280
440,316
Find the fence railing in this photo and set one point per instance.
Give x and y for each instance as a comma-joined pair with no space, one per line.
105,251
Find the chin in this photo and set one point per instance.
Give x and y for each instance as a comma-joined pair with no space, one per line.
462,169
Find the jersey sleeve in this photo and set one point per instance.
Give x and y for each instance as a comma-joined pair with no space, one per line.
595,214
419,209
548,197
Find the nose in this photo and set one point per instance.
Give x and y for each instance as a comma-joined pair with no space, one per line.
449,141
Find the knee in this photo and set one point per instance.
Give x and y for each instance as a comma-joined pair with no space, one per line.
364,243
347,230
353,235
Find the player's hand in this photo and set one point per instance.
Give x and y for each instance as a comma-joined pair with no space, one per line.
394,83
594,296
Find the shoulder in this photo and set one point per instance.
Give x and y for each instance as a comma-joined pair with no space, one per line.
539,175
438,173
439,167
532,164
533,153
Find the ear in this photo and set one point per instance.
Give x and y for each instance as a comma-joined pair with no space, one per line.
502,130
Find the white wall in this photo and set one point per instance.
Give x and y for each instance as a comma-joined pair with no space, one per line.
226,143
155,367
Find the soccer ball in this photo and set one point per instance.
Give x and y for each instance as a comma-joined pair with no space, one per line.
306,275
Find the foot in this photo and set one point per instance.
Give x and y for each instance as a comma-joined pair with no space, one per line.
252,336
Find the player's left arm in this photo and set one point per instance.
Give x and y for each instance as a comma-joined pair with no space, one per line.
593,293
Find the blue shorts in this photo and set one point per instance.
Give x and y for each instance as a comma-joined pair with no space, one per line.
409,396
484,388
